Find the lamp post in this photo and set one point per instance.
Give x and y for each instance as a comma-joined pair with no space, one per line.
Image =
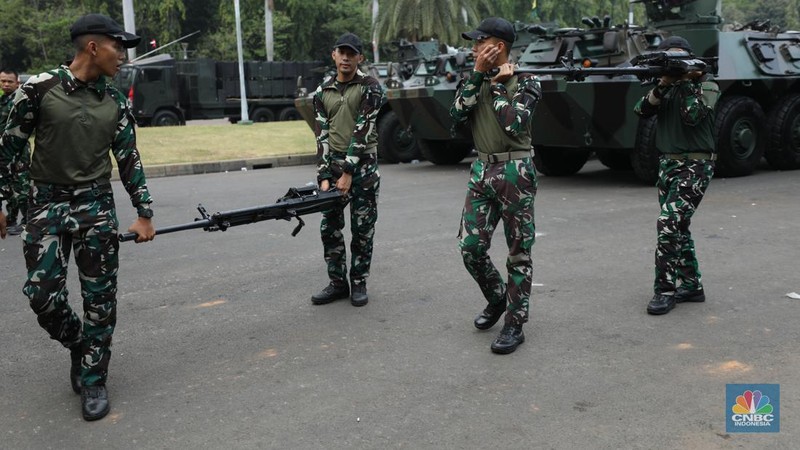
245,118
129,22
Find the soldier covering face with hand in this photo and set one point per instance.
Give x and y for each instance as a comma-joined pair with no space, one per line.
502,184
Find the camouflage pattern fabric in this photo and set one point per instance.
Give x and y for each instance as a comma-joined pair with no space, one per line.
20,186
22,123
364,132
79,217
501,191
60,220
513,114
363,216
681,186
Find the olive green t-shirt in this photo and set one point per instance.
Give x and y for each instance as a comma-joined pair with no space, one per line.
74,136
487,132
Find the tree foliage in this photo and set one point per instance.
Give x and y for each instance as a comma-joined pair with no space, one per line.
34,34
415,20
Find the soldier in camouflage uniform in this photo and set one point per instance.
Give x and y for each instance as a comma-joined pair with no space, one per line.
502,181
685,138
77,117
346,107
18,203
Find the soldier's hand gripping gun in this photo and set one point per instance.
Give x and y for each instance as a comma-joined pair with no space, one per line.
648,67
297,202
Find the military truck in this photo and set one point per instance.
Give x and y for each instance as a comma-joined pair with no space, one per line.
758,113
167,91
395,141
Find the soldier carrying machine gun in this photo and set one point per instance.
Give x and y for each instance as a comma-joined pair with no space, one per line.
297,202
647,67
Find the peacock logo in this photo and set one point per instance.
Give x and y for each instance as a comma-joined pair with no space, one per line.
752,402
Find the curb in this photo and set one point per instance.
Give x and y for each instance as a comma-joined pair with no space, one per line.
232,165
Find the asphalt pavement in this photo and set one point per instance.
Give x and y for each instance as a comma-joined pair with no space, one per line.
218,346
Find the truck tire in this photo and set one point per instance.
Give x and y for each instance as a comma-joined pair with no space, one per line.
783,151
443,153
395,143
645,156
559,162
165,118
289,113
262,114
614,159
741,135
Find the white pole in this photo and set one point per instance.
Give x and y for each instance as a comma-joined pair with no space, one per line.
245,118
129,21
268,32
375,53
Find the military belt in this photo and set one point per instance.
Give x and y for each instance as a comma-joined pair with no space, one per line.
694,155
503,157
63,192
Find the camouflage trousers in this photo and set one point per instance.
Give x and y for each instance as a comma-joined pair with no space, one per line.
497,191
82,219
20,185
681,186
363,216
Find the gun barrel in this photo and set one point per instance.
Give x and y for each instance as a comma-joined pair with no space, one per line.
297,202
125,237
585,72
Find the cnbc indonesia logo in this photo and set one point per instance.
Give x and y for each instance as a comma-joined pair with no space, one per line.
752,409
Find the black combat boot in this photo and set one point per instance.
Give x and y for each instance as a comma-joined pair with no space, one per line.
489,316
510,337
334,291
358,294
94,402
75,356
661,304
684,295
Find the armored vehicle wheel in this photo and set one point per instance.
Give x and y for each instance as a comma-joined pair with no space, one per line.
614,159
444,152
783,151
644,158
289,113
740,133
395,143
262,115
559,162
165,118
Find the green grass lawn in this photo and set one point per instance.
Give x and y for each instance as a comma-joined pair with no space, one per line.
198,143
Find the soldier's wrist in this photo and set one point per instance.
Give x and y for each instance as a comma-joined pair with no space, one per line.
144,211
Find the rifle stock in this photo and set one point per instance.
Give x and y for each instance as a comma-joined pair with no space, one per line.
297,202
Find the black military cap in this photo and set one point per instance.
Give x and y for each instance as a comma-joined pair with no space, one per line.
100,24
349,40
675,42
495,27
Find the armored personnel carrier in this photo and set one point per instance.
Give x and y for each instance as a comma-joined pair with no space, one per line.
757,115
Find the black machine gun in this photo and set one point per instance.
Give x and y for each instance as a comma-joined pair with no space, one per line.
647,67
297,202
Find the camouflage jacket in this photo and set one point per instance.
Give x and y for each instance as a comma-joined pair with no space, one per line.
513,114
5,108
364,132
24,120
685,115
